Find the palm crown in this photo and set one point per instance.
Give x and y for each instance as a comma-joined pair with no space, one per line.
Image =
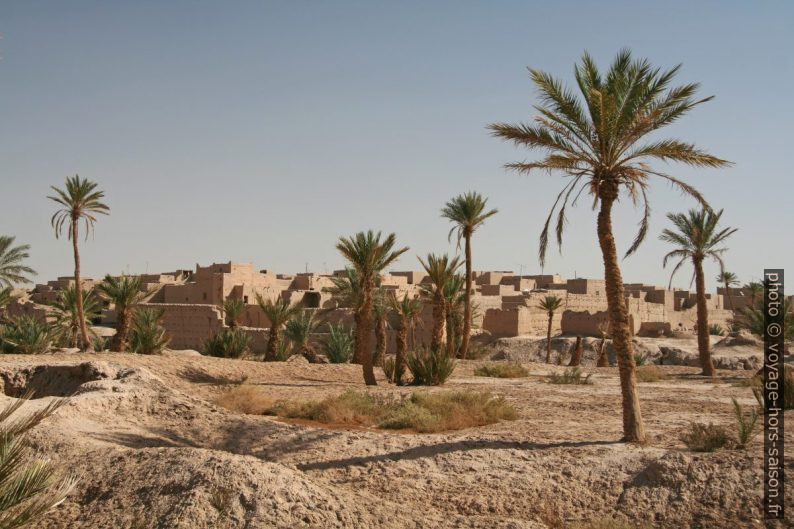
11,268
125,291
441,270
728,279
80,200
468,212
698,236
550,304
368,254
600,141
278,311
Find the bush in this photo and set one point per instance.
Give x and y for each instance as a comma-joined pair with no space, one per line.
245,399
100,343
650,374
388,369
716,330
283,352
502,370
745,424
430,367
572,375
421,411
640,359
229,342
338,347
705,437
787,383
25,335
147,335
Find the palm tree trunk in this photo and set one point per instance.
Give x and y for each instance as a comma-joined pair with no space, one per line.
86,345
464,344
603,361
728,295
272,343
357,357
363,331
576,353
380,340
633,428
439,322
402,345
122,329
703,320
450,329
548,339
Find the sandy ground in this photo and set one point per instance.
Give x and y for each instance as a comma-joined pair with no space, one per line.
154,452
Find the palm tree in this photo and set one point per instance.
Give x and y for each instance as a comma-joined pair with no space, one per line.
697,238
603,146
5,297
549,304
348,291
380,311
279,313
232,309
756,289
603,359
369,256
468,212
299,330
67,320
79,201
754,319
125,293
728,279
455,309
11,268
441,270
408,310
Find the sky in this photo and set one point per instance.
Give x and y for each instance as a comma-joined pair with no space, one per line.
261,132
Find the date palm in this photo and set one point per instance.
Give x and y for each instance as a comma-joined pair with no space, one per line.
347,291
698,237
756,290
369,256
299,330
5,297
80,200
279,312
380,311
232,309
11,258
549,304
468,212
408,310
604,141
67,320
125,293
455,301
441,270
728,280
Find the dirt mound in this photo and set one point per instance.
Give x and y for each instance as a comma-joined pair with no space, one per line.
61,380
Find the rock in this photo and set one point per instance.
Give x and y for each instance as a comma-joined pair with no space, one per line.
673,356
180,352
298,358
741,337
321,359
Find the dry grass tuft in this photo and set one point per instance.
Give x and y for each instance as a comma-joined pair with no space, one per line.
245,399
421,411
650,373
705,437
607,523
572,375
502,370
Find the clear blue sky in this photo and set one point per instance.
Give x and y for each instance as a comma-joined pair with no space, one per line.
262,131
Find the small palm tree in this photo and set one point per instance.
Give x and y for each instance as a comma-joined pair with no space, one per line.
754,319
408,310
11,257
455,308
369,256
697,237
279,312
299,330
756,289
29,488
468,212
603,141
338,346
603,330
233,308
5,297
125,293
67,320
79,201
728,280
549,304
147,335
441,270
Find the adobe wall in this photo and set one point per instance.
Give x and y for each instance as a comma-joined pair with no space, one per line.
188,326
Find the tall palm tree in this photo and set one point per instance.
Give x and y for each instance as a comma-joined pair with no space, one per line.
697,237
125,292
369,256
408,310
467,212
67,320
728,280
549,304
279,313
600,140
80,200
441,270
11,257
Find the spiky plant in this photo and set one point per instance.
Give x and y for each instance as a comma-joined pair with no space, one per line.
338,346
5,297
408,310
756,290
455,301
441,270
550,305
125,292
728,280
67,322
147,335
229,342
604,141
745,423
753,319
12,269
28,487
278,311
299,330
698,237
233,309
430,367
369,256
25,335
468,212
80,200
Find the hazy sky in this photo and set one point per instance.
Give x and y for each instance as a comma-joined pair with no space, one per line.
262,131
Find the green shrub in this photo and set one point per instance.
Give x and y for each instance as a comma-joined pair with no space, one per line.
745,424
640,359
716,330
338,346
283,352
430,367
502,370
389,365
229,342
147,335
705,437
572,375
100,343
25,335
